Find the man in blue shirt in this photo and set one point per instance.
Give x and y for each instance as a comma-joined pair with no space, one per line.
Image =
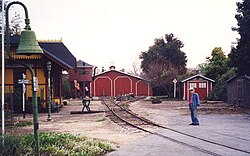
193,102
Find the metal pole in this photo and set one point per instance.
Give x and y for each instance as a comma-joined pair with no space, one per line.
3,72
24,90
34,95
23,101
48,92
174,81
174,90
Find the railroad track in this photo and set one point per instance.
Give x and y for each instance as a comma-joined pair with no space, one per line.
122,116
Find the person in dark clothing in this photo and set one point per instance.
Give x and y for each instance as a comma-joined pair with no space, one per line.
193,102
86,88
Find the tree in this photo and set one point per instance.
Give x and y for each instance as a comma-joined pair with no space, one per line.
136,69
15,22
66,88
217,68
240,56
219,91
216,65
163,62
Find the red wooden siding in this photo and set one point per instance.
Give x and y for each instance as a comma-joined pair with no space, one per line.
81,74
115,83
202,85
102,86
122,85
142,88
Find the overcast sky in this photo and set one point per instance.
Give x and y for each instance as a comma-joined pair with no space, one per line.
105,32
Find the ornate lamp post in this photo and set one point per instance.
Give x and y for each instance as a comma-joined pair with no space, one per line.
28,45
49,92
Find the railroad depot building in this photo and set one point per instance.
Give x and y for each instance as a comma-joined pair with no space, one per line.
54,51
202,85
81,76
238,91
117,83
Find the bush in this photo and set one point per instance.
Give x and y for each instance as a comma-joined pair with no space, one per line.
219,91
155,100
56,144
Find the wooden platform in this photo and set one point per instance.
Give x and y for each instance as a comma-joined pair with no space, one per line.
85,112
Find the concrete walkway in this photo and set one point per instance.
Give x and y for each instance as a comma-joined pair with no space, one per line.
230,130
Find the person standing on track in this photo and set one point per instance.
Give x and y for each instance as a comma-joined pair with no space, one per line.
193,102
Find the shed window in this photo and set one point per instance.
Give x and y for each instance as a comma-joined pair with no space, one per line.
192,85
203,85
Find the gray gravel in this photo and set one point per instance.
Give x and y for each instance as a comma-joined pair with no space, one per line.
228,129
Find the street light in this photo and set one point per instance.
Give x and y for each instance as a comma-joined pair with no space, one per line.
28,45
48,92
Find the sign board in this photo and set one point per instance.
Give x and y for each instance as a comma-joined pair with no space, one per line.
35,83
22,81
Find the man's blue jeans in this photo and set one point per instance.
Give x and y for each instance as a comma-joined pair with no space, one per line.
194,114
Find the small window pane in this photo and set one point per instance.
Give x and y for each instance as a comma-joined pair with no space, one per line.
202,85
192,85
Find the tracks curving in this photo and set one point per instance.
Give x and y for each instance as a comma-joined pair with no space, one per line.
122,115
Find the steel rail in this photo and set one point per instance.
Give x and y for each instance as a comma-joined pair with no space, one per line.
176,131
161,135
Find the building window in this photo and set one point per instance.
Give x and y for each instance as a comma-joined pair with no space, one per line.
192,85
81,72
203,85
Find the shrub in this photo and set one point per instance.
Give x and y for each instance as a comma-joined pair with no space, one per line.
155,100
56,144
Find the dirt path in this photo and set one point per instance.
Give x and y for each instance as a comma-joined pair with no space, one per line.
100,127
95,125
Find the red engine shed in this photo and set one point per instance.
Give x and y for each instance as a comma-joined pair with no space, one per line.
116,83
202,85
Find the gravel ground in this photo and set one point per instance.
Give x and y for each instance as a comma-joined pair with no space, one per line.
97,125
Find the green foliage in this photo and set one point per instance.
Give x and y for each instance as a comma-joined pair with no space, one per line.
163,62
217,68
58,144
219,91
20,124
216,65
66,89
101,119
155,99
240,56
165,52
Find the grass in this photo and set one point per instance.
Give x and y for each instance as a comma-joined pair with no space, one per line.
56,144
101,119
19,124
126,105
23,124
